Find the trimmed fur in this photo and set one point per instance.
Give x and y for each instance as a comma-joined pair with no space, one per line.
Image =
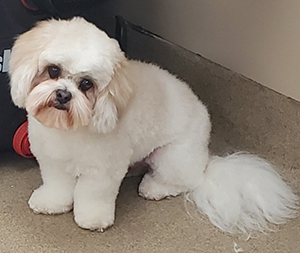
135,111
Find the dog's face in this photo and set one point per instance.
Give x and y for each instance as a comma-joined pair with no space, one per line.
69,74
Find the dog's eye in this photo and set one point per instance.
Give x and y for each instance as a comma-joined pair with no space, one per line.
54,72
85,85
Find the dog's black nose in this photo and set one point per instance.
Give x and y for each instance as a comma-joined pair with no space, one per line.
63,96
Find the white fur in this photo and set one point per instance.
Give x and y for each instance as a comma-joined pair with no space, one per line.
136,111
243,192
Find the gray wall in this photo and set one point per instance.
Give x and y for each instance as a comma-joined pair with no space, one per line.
259,39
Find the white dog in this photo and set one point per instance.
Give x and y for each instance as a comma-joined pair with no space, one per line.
92,113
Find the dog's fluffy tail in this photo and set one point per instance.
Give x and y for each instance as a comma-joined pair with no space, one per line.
243,192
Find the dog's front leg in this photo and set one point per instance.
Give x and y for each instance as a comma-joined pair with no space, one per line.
94,201
56,194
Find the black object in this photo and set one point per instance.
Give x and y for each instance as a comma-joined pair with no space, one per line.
57,6
14,20
121,33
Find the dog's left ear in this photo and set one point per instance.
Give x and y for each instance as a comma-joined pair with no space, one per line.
112,100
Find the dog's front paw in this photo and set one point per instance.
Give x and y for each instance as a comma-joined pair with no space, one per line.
94,217
49,201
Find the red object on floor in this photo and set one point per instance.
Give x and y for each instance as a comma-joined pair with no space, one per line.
21,142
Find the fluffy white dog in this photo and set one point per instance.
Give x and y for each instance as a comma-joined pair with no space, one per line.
92,113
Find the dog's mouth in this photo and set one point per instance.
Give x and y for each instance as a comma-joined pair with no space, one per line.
61,106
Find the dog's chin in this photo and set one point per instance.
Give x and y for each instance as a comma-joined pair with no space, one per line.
61,117
43,107
56,118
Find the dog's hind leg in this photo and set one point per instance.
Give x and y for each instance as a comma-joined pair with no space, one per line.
176,168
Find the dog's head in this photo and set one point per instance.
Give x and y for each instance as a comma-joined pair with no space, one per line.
69,74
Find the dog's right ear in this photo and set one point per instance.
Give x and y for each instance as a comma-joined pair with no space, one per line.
23,65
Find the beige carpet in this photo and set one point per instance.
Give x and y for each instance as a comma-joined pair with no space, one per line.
245,116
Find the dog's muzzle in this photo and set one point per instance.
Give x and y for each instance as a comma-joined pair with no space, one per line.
62,99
